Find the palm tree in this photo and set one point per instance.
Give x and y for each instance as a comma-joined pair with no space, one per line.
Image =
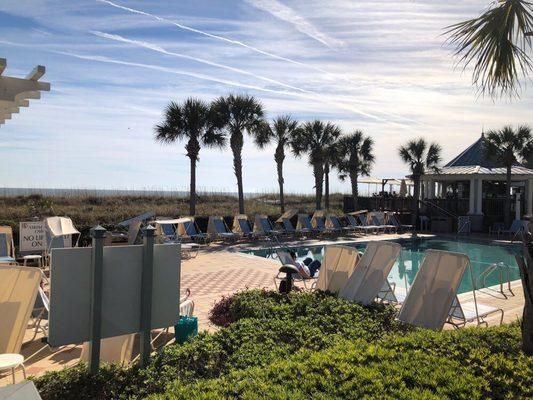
507,146
189,121
330,155
355,159
313,138
420,156
497,42
234,115
281,131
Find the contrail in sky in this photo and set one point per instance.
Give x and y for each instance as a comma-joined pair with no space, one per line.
162,50
310,96
223,38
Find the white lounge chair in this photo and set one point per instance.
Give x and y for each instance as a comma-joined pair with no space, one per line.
117,349
370,274
337,266
59,233
432,299
18,290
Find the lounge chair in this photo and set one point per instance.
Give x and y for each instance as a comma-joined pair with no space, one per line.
393,220
517,228
337,266
320,226
117,349
379,220
304,224
285,259
263,226
217,229
365,226
18,290
243,227
334,222
432,300
188,230
7,248
59,233
167,234
370,274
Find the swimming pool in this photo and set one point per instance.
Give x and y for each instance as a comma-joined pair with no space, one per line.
404,271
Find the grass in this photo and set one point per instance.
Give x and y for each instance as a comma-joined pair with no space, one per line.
109,210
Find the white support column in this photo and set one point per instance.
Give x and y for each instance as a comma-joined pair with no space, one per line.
472,203
529,197
431,189
479,197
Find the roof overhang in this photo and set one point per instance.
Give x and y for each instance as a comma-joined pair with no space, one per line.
15,93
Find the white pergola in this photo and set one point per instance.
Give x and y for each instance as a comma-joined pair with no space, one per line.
17,92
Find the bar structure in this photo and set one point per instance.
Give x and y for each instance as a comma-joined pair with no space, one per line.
473,185
15,93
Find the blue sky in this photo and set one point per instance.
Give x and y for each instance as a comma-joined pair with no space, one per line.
379,66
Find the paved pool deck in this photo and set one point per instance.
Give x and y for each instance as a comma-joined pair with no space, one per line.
220,270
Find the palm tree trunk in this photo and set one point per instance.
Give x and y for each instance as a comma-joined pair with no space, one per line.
525,263
192,194
279,157
318,172
355,190
326,181
236,142
507,210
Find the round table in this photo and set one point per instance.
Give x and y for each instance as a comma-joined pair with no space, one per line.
12,361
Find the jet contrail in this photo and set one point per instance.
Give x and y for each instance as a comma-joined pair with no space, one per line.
225,39
162,50
311,96
157,48
287,14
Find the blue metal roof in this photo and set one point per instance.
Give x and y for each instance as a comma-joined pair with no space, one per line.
475,156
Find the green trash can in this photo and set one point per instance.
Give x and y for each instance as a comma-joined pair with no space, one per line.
186,328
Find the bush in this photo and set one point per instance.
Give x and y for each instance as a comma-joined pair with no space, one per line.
421,365
314,344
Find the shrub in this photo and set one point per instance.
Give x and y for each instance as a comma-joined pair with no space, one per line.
360,369
314,345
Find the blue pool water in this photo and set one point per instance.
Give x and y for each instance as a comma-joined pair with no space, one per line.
404,271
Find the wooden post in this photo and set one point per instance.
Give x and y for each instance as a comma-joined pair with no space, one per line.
146,293
97,264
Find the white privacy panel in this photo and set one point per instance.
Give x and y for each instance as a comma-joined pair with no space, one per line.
70,303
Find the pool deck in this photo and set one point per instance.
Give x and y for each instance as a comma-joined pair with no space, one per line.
220,270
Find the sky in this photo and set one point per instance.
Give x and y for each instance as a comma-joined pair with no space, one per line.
379,66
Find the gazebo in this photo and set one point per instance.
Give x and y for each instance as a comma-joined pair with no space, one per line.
17,92
473,185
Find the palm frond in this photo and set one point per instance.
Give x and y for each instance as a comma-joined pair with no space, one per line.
496,43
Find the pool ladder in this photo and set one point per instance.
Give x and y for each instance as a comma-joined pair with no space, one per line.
503,270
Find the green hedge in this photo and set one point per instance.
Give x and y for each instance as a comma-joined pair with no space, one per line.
421,365
314,344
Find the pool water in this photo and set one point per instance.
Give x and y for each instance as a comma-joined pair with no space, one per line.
404,271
